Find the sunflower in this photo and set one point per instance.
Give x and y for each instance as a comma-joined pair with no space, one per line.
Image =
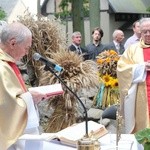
107,65
114,83
107,80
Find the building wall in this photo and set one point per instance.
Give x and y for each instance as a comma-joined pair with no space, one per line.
113,25
51,6
67,28
104,20
107,23
21,7
17,10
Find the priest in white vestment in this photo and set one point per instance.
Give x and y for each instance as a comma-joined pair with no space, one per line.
133,73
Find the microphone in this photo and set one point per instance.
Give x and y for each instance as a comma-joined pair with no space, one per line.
37,56
86,142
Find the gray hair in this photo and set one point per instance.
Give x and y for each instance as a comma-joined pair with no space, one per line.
115,33
143,20
75,33
15,30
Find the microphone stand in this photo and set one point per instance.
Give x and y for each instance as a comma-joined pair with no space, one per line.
48,68
86,142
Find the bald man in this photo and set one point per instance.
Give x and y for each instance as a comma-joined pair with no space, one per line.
116,44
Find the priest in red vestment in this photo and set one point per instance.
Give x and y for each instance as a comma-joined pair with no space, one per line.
133,73
18,114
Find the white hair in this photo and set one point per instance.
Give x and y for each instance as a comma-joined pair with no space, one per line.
116,32
15,30
144,20
2,25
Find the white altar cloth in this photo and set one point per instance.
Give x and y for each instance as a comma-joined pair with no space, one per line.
107,143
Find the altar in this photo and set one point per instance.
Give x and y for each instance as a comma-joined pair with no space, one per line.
127,142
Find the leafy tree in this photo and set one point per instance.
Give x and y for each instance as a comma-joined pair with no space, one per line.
148,9
77,10
2,14
66,12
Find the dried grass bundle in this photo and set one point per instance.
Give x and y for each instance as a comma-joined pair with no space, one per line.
47,37
48,40
77,74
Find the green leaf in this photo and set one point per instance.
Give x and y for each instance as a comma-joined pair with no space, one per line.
143,136
147,146
2,14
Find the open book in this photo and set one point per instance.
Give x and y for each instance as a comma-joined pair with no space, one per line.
70,135
49,90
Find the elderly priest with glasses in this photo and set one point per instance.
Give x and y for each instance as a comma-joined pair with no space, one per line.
133,72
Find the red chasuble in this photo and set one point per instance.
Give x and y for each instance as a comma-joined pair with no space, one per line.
18,74
146,53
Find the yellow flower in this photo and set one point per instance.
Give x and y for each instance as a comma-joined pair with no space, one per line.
107,80
100,61
107,63
108,60
114,83
112,52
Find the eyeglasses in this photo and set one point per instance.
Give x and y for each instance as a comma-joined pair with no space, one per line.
145,32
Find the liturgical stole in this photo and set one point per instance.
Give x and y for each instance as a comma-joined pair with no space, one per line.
146,53
18,74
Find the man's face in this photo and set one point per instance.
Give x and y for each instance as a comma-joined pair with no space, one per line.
76,39
120,37
21,49
96,36
136,29
145,32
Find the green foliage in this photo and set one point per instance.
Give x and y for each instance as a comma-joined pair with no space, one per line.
63,15
86,11
148,9
2,14
64,4
143,137
65,12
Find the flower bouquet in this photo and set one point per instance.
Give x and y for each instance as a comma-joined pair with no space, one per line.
108,93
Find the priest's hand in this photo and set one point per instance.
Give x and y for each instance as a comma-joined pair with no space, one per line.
37,97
